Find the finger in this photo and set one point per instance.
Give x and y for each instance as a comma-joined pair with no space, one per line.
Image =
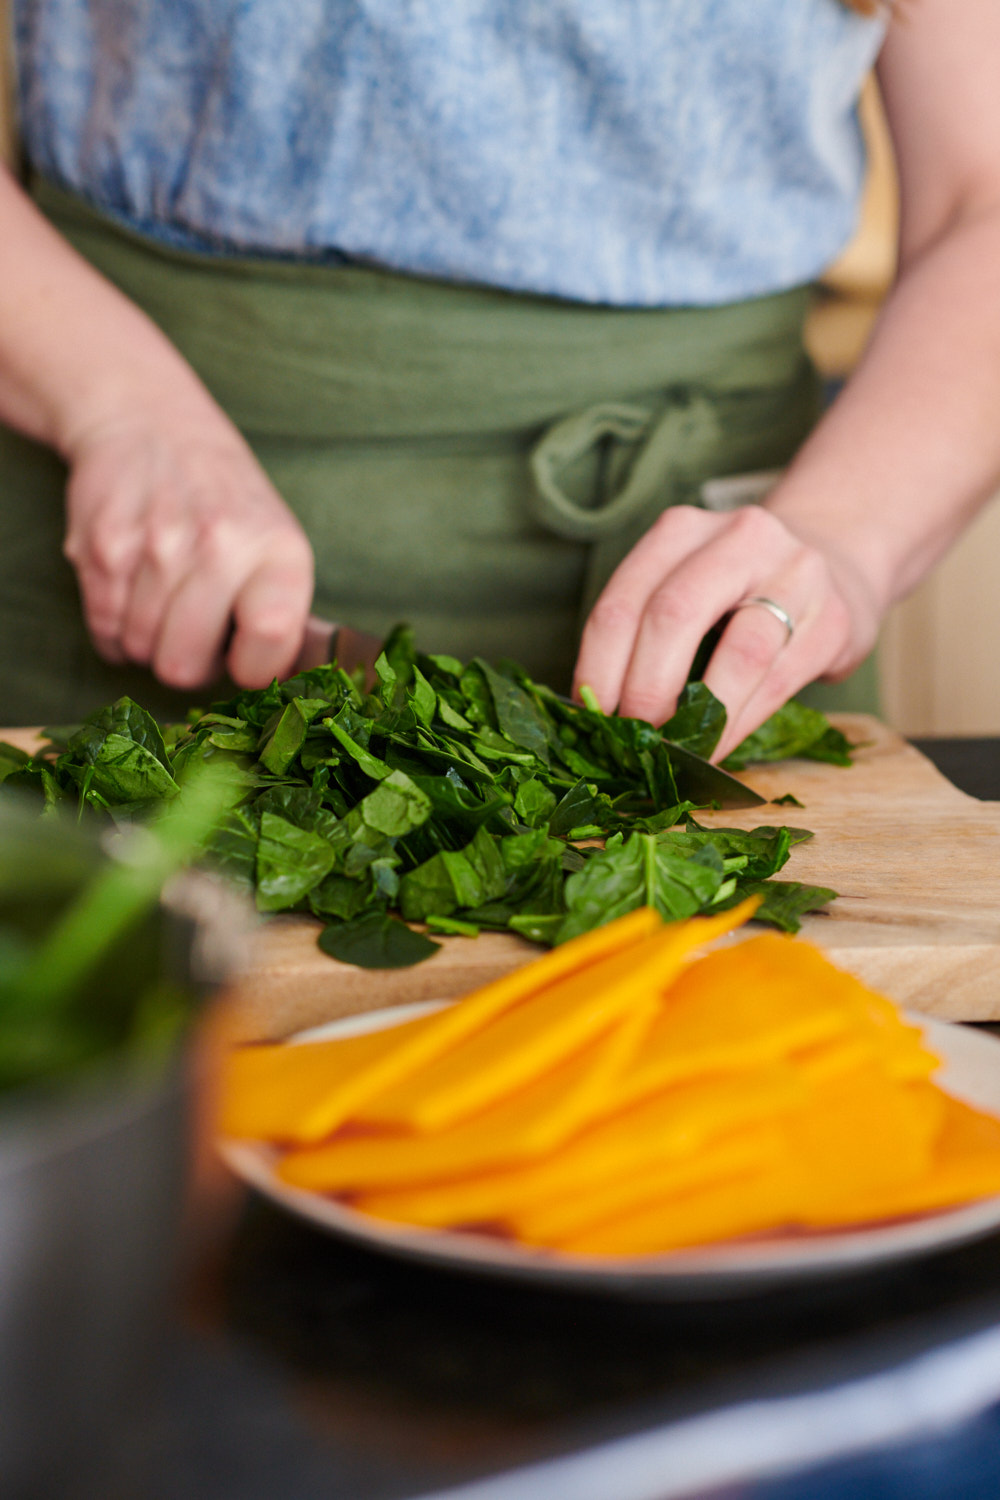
750,648
190,647
104,543
108,648
105,564
270,613
692,599
168,555
609,636
790,671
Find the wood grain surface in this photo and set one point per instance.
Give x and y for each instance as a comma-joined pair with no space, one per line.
916,862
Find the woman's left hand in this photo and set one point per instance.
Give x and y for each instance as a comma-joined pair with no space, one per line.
692,569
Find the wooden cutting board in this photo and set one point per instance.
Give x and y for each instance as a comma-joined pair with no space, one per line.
916,862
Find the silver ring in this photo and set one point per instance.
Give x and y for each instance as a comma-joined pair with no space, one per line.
775,609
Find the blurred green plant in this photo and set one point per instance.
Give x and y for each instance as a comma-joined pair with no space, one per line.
91,961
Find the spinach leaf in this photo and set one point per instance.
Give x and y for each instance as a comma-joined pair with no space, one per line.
785,902
12,759
290,862
456,794
792,730
534,803
518,717
636,871
395,807
453,879
370,764
698,720
285,735
118,754
376,941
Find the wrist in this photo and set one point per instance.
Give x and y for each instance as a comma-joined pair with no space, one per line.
142,399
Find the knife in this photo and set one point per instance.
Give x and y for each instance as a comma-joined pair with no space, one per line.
703,781
323,641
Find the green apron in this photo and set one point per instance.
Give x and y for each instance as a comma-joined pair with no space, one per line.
468,460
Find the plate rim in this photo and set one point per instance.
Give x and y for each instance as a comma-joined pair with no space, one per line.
725,1269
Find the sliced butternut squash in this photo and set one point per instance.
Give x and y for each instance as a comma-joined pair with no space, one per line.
449,1027
530,1038
520,1126
271,1092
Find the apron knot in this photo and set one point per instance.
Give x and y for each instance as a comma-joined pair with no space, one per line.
614,466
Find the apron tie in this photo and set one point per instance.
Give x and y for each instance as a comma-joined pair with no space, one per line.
630,463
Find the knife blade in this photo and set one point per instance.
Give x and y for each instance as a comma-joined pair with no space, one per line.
703,781
706,782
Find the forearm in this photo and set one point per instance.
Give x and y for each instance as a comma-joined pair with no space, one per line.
912,446
75,354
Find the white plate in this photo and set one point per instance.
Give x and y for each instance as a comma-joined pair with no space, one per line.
971,1072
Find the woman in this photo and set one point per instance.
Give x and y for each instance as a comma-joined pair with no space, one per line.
470,310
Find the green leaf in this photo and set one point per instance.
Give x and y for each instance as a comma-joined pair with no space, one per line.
290,862
395,807
453,879
123,749
534,803
453,926
370,764
764,850
284,737
400,652
577,806
124,719
123,771
638,871
376,941
537,929
341,896
242,738
698,720
12,759
449,664
791,730
832,746
422,698
451,716
232,848
785,901
517,715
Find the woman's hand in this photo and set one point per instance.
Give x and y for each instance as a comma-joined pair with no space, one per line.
691,570
186,555
902,460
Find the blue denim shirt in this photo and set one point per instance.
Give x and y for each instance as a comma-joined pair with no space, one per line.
633,152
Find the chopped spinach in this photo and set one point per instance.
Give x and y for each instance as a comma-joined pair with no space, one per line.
462,796
792,730
376,941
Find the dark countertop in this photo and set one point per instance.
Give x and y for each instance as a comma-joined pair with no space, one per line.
306,1367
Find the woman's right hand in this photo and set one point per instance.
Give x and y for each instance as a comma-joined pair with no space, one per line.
186,555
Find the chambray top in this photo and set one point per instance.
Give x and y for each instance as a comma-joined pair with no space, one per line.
633,152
